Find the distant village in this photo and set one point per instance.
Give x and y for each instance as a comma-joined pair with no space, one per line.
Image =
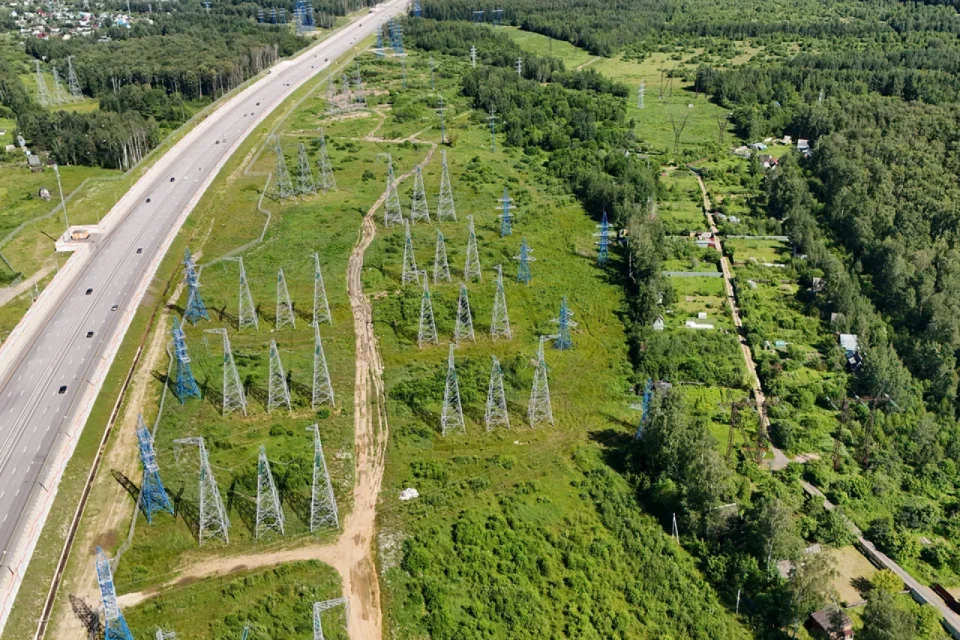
60,20
767,160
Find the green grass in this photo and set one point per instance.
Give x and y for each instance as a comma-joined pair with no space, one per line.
540,45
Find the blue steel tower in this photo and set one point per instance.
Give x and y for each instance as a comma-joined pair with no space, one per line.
603,246
185,386
506,216
525,258
564,321
153,495
416,8
115,627
195,308
645,407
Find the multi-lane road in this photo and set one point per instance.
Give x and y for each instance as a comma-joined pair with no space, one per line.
62,357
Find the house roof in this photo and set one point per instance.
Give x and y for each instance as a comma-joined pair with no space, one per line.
848,341
825,619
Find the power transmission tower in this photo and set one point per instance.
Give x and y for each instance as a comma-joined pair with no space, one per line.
115,627
323,504
441,270
269,511
443,130
464,326
640,94
473,56
153,495
478,16
195,308
410,272
392,213
306,183
525,258
539,410
320,607
73,83
214,522
285,314
492,119
451,415
433,70
379,48
284,184
233,396
247,315
327,181
419,210
321,308
185,385
500,323
603,245
519,67
322,387
43,96
564,322
471,269
428,329
416,8
496,413
59,95
445,208
648,391
278,393
675,533
506,216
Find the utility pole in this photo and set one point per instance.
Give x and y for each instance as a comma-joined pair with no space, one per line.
323,504
640,93
525,258
443,135
233,395
284,183
492,118
63,203
564,322
269,511
392,213
496,411
278,392
451,415
247,313
506,218
441,270
153,496
285,315
428,329
410,272
327,181
500,322
473,56
464,326
196,309
471,269
43,97
419,209
306,183
214,522
322,387
446,210
540,409
321,308
185,385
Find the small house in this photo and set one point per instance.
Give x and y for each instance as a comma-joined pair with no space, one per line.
787,140
848,341
758,146
817,285
693,324
837,318
831,623
742,151
33,161
702,315
803,145
658,324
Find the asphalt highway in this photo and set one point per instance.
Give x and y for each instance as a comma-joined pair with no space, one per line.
41,393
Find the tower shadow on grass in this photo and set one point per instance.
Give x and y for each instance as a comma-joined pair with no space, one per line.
245,506
213,393
189,511
89,618
126,483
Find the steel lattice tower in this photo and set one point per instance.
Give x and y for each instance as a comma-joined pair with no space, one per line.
233,396
115,627
473,56
43,96
441,270
443,129
214,522
269,511
327,181
73,84
153,495
284,183
196,309
185,385
392,213
59,95
320,607
640,94
520,67
451,415
428,329
322,387
379,47
416,8
540,410
323,504
321,308
464,326
500,323
496,412
247,316
419,210
278,392
285,315
603,245
506,215
410,272
564,322
433,70
492,118
471,269
645,408
525,258
446,210
305,183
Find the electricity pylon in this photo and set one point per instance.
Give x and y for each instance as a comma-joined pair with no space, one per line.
640,94
233,396
443,130
496,412
451,415
564,322
506,215
428,329
410,272
441,270
115,627
278,392
269,511
603,245
323,504
525,258
320,607
492,119
185,385
540,410
446,209
196,309
471,269
285,315
59,95
322,387
73,83
247,315
305,180
473,56
284,184
327,181
500,323
43,96
392,213
321,308
214,522
419,209
519,67
464,326
153,495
